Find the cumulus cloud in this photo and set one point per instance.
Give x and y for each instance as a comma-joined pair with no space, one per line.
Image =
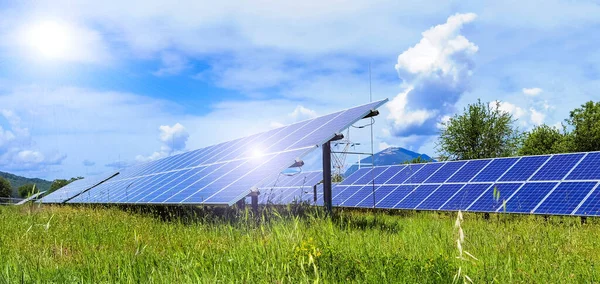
536,117
526,117
516,111
532,91
302,113
16,148
435,73
173,139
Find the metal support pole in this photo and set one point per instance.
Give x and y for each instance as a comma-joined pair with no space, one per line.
254,198
327,177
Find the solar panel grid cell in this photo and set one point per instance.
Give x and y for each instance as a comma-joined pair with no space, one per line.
557,167
565,198
588,168
494,197
440,196
445,172
590,205
404,174
391,195
370,176
424,173
469,170
355,176
387,174
494,170
466,196
416,196
524,168
528,197
380,193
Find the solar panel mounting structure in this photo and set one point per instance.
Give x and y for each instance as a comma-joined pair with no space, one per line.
558,184
220,174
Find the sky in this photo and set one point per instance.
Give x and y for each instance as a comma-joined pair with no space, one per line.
87,87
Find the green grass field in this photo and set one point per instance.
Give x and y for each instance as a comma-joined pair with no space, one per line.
96,244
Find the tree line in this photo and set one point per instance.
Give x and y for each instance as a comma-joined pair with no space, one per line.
29,189
483,130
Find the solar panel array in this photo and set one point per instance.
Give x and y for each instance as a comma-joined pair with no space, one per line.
561,184
218,174
75,188
288,189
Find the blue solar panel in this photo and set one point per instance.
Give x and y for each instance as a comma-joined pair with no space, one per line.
494,170
588,168
387,174
489,202
565,198
557,167
468,171
524,168
355,176
75,188
370,176
361,194
528,197
424,173
447,170
465,197
381,192
344,194
230,169
591,205
440,196
404,174
395,195
416,196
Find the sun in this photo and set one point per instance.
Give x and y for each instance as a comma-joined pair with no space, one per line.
49,39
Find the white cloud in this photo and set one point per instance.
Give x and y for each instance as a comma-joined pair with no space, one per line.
532,91
435,73
302,113
516,111
537,117
173,138
17,151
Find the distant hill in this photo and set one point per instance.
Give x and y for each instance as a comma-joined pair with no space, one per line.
389,156
16,181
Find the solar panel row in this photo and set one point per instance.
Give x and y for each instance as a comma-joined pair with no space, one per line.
288,189
562,184
218,174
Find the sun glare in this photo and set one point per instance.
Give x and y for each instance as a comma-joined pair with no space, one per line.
49,39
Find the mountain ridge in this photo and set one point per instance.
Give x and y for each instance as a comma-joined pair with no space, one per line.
389,156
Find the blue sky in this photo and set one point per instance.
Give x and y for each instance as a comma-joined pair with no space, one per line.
89,86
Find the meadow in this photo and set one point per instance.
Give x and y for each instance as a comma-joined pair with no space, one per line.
127,245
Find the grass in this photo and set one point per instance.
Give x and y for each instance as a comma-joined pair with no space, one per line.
99,244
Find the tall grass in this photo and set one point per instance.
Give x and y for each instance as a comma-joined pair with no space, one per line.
98,244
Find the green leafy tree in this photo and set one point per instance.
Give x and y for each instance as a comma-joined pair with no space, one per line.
585,122
544,139
58,183
5,188
482,131
418,160
27,190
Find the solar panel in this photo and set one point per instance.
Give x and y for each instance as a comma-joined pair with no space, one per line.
370,176
557,167
495,169
588,168
424,173
524,168
528,196
75,188
561,184
494,197
404,173
392,195
290,188
564,198
355,176
445,172
440,196
226,172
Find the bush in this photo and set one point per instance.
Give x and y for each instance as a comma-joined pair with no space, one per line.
5,188
27,190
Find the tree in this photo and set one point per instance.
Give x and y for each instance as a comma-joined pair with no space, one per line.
27,190
585,122
544,139
337,178
482,131
418,160
5,188
58,183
